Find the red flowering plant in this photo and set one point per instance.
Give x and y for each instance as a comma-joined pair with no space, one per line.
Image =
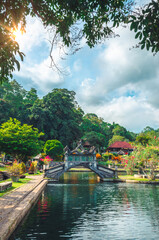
154,141
146,156
129,163
151,159
46,160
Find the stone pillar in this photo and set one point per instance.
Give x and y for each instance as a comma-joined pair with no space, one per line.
95,164
66,157
66,165
116,171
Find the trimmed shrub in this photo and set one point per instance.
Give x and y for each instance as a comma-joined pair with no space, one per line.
53,148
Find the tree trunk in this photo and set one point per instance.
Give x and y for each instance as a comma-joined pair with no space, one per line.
152,174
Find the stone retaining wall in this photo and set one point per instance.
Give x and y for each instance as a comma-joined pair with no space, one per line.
10,219
130,181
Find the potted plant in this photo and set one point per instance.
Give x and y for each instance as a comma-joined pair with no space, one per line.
23,167
33,167
15,171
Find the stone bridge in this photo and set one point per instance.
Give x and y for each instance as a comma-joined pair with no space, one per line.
80,156
57,170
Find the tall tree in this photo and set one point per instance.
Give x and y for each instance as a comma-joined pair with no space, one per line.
91,122
121,131
5,111
13,95
117,138
95,139
30,97
18,140
59,116
143,139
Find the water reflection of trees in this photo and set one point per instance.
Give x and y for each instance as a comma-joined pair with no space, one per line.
99,199
63,205
143,198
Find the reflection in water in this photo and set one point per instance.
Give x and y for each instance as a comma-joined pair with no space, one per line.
80,177
81,208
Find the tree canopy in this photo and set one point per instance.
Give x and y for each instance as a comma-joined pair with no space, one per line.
57,114
143,139
72,20
116,138
95,139
101,134
18,140
144,22
60,117
53,148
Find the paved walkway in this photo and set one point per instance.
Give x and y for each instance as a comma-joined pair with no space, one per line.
16,204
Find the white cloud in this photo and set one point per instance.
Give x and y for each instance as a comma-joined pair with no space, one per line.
123,87
35,35
131,112
120,66
126,87
42,76
36,65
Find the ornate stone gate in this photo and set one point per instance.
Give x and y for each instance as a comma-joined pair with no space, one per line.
79,157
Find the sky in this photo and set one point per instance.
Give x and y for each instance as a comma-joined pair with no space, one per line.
117,82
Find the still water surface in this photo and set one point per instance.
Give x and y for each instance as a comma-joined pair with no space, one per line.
81,208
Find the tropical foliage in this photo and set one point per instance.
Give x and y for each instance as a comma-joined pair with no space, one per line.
58,115
101,134
129,162
145,22
16,169
53,148
143,157
147,157
20,141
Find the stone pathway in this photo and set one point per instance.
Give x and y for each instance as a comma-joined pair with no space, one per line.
14,203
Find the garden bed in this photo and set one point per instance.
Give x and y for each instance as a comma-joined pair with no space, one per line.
133,178
14,185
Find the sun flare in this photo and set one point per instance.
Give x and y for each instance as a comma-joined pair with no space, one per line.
18,34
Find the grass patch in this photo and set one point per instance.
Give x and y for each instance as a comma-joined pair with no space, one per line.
15,185
6,169
3,169
38,173
130,177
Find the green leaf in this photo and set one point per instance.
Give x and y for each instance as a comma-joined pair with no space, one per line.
137,35
18,64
